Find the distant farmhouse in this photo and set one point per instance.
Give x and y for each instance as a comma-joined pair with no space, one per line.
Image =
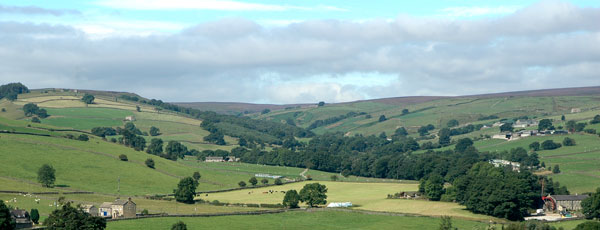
115,210
264,175
525,123
21,218
129,118
221,159
503,163
576,110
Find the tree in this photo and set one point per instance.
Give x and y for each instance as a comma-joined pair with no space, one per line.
321,103
154,131
291,199
596,120
446,223
11,90
34,214
46,175
588,225
30,109
176,150
253,181
401,131
242,184
6,220
506,127
197,175
463,144
550,145
186,190
571,125
68,217
405,111
313,194
83,137
535,146
382,118
216,138
150,163
180,225
35,120
123,157
569,142
544,124
155,147
242,142
334,177
556,169
562,118
444,136
434,187
278,181
591,205
137,108
264,181
265,111
452,123
88,99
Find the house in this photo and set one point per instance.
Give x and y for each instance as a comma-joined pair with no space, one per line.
339,205
123,209
410,195
564,203
232,159
516,166
21,218
503,136
129,118
524,123
497,124
214,159
91,209
105,210
576,110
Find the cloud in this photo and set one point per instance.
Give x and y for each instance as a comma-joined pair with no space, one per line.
206,5
547,45
33,10
477,11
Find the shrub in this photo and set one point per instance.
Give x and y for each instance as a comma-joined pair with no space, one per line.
556,169
278,181
179,226
83,137
569,142
149,162
123,157
145,212
549,145
35,120
242,184
3,110
197,175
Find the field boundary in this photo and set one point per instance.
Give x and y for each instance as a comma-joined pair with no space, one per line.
260,212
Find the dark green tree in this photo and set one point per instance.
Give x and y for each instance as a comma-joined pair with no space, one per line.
556,169
444,136
6,220
321,103
35,120
46,175
265,111
242,142
242,184
197,175
446,223
155,147
176,149
72,218
88,99
591,205
34,214
506,127
562,118
154,131
179,226
291,199
334,177
544,124
550,145
123,157
313,194
150,163
401,131
278,182
535,146
463,144
137,108
216,138
382,118
253,181
405,111
452,123
569,141
434,187
596,120
186,190
83,137
588,225
30,109
264,181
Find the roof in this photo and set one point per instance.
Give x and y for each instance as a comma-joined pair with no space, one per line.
19,213
214,158
569,197
122,202
106,205
88,206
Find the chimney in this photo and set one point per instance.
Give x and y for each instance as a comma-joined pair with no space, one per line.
129,199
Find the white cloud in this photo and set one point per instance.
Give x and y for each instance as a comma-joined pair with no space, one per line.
478,11
206,5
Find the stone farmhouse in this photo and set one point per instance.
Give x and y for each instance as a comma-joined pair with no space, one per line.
115,210
214,159
21,218
525,123
564,203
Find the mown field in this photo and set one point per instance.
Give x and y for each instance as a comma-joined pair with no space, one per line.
298,220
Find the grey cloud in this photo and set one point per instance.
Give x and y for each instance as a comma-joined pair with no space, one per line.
36,10
547,45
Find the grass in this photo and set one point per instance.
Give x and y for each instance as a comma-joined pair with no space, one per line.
317,220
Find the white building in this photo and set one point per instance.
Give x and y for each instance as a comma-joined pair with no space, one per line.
264,175
339,205
516,166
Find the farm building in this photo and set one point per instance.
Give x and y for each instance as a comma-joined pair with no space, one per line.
129,118
339,205
91,209
232,159
264,175
105,210
503,136
21,218
562,203
575,110
525,123
214,159
497,124
116,209
502,163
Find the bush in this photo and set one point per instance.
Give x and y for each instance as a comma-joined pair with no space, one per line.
588,225
3,110
197,175
144,212
35,120
83,137
556,169
123,157
113,140
149,162
278,181
550,145
253,181
569,142
242,184
179,226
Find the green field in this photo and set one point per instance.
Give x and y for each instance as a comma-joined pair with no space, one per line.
297,220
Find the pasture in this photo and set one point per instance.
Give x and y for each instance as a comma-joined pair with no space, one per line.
325,220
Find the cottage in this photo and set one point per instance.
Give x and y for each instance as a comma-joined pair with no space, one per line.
91,209
563,203
123,209
21,218
105,210
129,118
214,159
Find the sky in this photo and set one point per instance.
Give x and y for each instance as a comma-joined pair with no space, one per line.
299,51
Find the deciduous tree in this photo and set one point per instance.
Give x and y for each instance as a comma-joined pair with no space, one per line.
186,190
313,194
291,199
46,175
